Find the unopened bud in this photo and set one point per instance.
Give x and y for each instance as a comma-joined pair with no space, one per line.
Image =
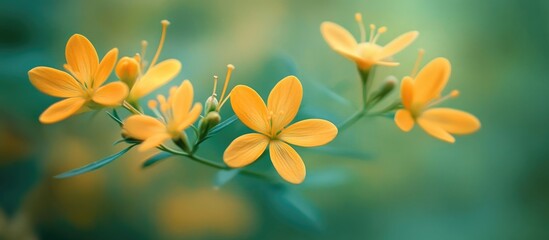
127,70
211,104
208,122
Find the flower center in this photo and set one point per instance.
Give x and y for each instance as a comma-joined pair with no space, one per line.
418,110
369,50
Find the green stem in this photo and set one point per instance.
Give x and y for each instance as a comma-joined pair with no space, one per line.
213,164
351,120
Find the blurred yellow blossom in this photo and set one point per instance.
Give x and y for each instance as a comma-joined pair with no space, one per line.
174,116
419,95
270,122
367,53
82,91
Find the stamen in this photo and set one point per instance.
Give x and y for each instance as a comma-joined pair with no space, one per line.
163,104
372,29
452,94
224,101
165,24
230,69
215,85
420,54
358,19
380,31
144,45
153,105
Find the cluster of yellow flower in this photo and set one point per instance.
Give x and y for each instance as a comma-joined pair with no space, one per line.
83,89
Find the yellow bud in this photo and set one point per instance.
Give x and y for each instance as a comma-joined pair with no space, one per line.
127,70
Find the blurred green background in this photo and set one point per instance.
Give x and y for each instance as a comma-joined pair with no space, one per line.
373,182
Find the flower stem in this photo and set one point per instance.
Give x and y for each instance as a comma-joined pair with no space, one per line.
213,164
351,120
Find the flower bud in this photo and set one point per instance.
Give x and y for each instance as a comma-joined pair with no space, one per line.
127,70
211,104
208,122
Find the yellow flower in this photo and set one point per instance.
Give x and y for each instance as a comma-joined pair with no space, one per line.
82,91
366,53
129,70
174,117
270,122
419,95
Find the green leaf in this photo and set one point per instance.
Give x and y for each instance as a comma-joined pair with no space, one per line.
222,125
297,210
154,159
222,177
115,117
94,165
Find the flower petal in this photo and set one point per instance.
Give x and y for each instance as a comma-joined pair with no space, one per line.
404,120
62,110
191,117
82,58
54,82
431,80
142,127
250,108
287,162
105,67
155,77
284,101
407,92
387,63
245,149
153,141
435,130
182,102
452,120
339,38
110,95
309,133
398,44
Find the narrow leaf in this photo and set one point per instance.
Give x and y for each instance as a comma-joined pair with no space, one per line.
222,125
156,158
115,117
94,165
295,209
224,176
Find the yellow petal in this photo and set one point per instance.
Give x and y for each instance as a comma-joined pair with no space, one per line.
339,38
54,82
309,133
245,149
155,77
287,162
82,58
105,67
250,108
435,130
430,81
404,120
183,100
407,92
62,110
112,94
142,127
190,118
398,44
452,120
387,63
284,101
153,141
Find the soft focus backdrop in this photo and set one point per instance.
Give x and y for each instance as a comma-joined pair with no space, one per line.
373,182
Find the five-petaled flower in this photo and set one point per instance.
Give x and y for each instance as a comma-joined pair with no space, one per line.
82,91
366,53
420,94
270,122
129,70
176,113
